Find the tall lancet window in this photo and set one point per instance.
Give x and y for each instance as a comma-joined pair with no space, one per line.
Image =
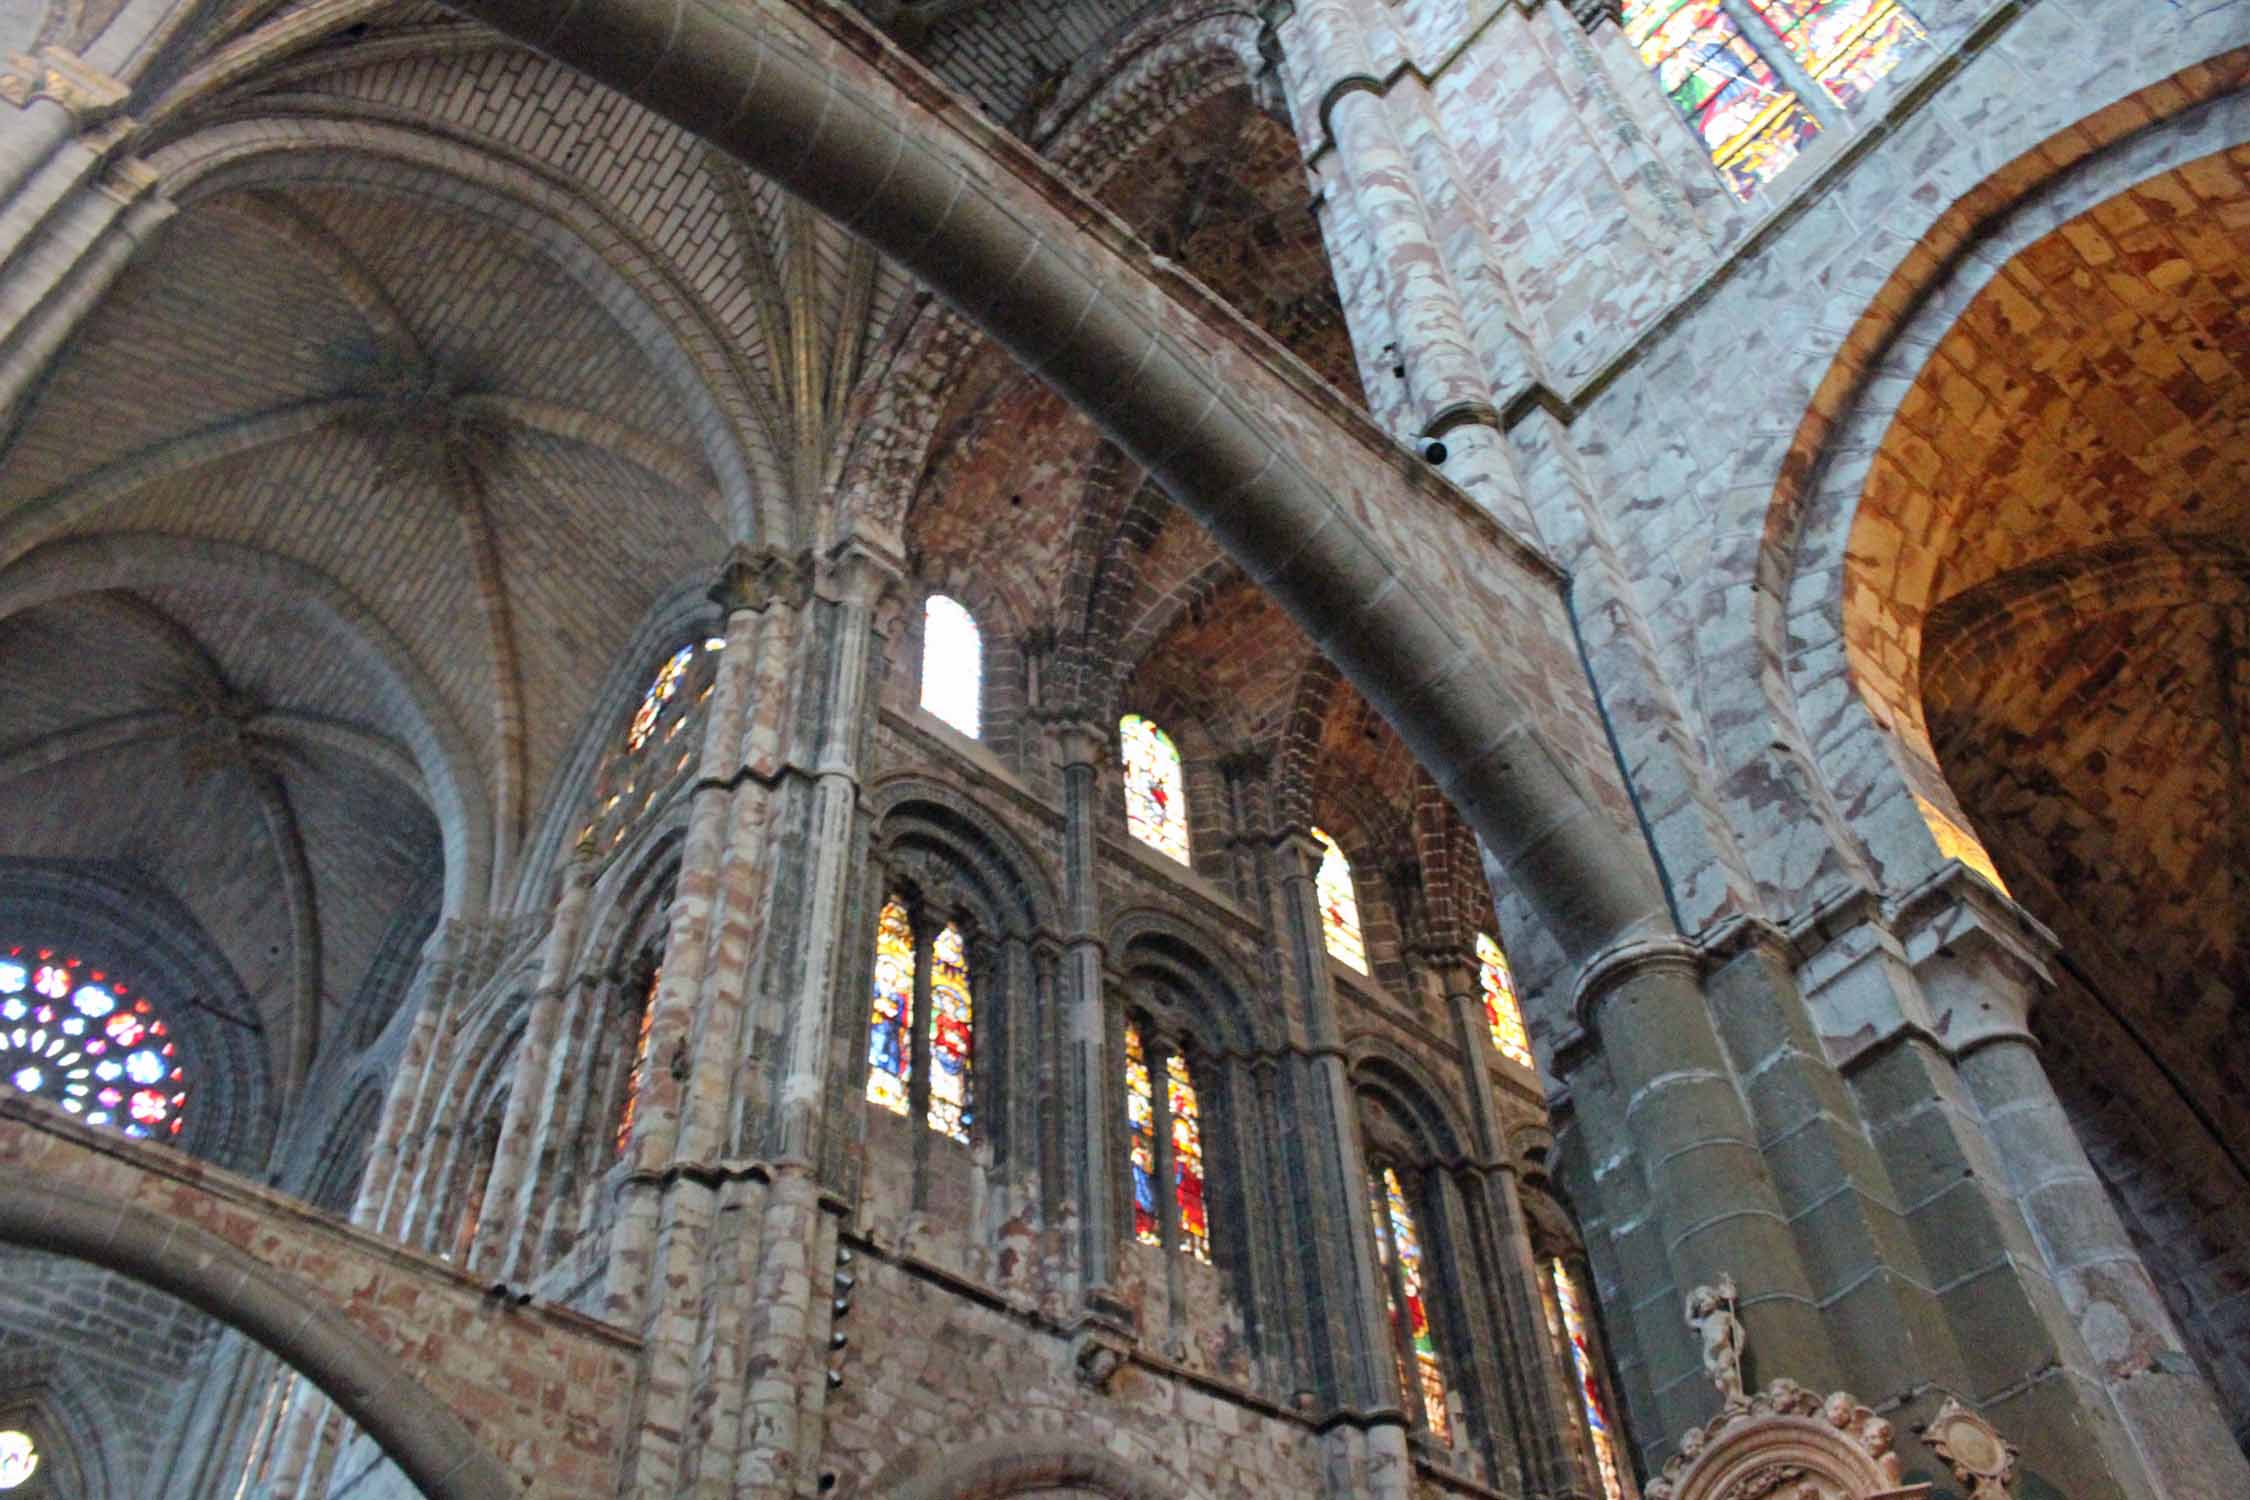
921,1023
1572,1333
1155,797
1398,1246
1339,906
1164,1129
952,665
951,1016
890,1026
638,1072
1501,1012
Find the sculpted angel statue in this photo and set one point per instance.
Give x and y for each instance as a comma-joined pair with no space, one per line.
1710,1312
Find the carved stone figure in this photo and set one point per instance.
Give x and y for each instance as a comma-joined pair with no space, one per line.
1710,1311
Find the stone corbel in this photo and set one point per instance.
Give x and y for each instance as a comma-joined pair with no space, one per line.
61,76
753,578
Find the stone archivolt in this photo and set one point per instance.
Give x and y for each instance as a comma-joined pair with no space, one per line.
1787,1443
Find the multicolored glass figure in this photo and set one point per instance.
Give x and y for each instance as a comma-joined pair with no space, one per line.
951,1017
1501,1012
19,1459
1140,1119
1407,1244
1339,907
952,664
660,692
1573,1332
1846,45
890,1027
1155,803
639,1069
1187,1158
1752,124
82,1039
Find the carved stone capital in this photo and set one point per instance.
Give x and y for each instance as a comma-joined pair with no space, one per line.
63,77
754,577
1591,13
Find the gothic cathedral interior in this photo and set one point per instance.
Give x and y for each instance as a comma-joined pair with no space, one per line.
1125,749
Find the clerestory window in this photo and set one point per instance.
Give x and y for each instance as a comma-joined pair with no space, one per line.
1502,1013
1166,1129
921,1023
952,665
1155,788
1738,71
82,1038
1339,905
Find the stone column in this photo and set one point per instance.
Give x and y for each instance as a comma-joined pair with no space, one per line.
668,1197
542,1074
386,1160
806,957
1330,1222
1980,965
1711,1198
1448,389
1086,1063
1523,1378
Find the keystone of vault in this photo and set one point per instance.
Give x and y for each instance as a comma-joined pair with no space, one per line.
1324,521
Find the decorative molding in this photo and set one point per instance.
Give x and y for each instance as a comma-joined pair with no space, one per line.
1786,1443
1980,1457
63,77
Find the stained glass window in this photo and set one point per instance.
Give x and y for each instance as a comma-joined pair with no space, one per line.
1339,907
1847,45
1573,1332
952,664
1140,1117
1187,1158
1155,804
1376,1193
19,1459
657,749
951,1014
890,1027
1406,1250
1501,1012
640,1063
1752,124
80,1037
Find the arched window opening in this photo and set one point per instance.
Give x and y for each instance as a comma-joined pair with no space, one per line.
638,1072
951,1016
1165,1130
921,1039
1398,1249
1724,79
952,665
1339,906
19,1459
890,1035
1140,1120
79,1037
1572,1334
657,750
1155,795
1502,1013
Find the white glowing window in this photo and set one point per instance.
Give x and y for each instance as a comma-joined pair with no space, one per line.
19,1459
1339,906
952,664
